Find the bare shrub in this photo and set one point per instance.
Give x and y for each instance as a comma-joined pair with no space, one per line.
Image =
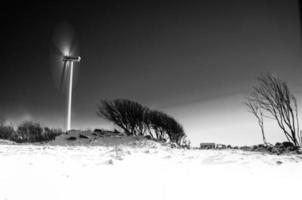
157,123
126,114
136,119
6,132
166,127
30,131
50,133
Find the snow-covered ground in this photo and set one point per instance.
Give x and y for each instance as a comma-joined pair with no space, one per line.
142,169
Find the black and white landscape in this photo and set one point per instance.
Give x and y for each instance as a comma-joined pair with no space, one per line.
151,100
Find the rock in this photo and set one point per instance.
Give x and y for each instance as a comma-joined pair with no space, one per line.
275,150
292,148
281,149
262,148
299,151
287,144
278,162
71,138
173,145
115,131
109,162
245,148
148,137
83,136
254,148
278,144
2,141
269,148
99,132
163,140
284,147
278,148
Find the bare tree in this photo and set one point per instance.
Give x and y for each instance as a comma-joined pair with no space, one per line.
273,95
255,109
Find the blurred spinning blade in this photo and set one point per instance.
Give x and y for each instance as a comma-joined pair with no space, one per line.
63,43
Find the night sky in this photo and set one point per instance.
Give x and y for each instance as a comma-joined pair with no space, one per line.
194,60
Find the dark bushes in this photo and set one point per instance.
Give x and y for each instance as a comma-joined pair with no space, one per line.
50,133
6,132
33,132
128,115
165,127
136,119
29,131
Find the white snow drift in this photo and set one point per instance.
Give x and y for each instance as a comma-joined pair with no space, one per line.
135,168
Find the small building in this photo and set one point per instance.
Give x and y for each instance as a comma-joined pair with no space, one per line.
207,145
221,146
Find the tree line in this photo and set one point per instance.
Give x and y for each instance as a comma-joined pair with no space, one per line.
27,131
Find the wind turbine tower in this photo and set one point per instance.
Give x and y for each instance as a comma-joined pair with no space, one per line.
68,64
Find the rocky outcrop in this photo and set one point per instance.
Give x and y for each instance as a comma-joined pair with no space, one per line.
278,148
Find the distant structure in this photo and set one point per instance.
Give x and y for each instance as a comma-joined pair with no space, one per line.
207,145
221,146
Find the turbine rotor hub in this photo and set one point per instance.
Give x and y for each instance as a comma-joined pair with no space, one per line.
72,58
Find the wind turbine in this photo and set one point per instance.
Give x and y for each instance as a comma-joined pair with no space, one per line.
68,63
63,61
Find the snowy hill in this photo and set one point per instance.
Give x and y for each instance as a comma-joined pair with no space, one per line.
104,138
102,167
6,142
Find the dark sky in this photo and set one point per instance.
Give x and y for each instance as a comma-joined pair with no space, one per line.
195,60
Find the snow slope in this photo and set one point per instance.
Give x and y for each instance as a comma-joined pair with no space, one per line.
135,168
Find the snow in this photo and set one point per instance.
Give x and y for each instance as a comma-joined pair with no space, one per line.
6,142
135,168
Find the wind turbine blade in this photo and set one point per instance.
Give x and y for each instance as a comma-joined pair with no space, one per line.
75,51
63,37
63,74
74,47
